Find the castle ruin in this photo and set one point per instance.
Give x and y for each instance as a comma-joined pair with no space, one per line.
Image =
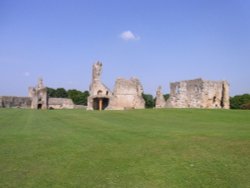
199,93
38,95
38,99
127,93
100,95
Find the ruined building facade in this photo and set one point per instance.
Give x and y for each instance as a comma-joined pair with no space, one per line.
100,95
13,101
38,99
127,93
199,93
38,95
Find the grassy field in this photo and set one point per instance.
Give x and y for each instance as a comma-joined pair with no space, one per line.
137,148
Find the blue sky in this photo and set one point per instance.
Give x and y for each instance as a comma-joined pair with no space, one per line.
158,41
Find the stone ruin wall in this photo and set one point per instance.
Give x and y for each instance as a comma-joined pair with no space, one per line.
185,94
216,94
160,101
98,88
37,97
98,91
26,102
60,103
127,95
199,93
15,102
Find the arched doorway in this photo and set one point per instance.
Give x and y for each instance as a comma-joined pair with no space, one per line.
39,106
100,103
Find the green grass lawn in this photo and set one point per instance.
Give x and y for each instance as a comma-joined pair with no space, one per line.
135,148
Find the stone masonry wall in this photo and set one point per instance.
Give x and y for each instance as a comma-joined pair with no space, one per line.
127,94
199,93
15,102
60,103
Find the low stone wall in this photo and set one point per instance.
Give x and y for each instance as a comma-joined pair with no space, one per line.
15,102
25,102
60,103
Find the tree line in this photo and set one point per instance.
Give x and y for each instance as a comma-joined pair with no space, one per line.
240,102
78,97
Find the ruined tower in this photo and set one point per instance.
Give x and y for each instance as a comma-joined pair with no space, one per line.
127,93
160,101
199,93
99,94
38,94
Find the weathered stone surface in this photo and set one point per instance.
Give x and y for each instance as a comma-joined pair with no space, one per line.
99,93
160,101
60,103
127,93
15,102
199,93
39,96
38,99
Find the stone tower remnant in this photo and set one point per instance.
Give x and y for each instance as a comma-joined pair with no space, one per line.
199,93
160,101
39,97
100,95
127,93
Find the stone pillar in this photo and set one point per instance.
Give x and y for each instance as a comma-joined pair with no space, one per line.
160,101
225,93
100,104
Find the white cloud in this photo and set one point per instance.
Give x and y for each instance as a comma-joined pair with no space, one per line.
27,74
128,35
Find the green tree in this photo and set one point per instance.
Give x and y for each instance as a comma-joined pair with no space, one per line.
149,100
246,106
78,97
240,101
85,99
51,92
166,96
61,93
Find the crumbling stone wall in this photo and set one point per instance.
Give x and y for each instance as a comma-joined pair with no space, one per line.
100,94
38,99
199,93
15,102
127,94
39,96
60,103
160,100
